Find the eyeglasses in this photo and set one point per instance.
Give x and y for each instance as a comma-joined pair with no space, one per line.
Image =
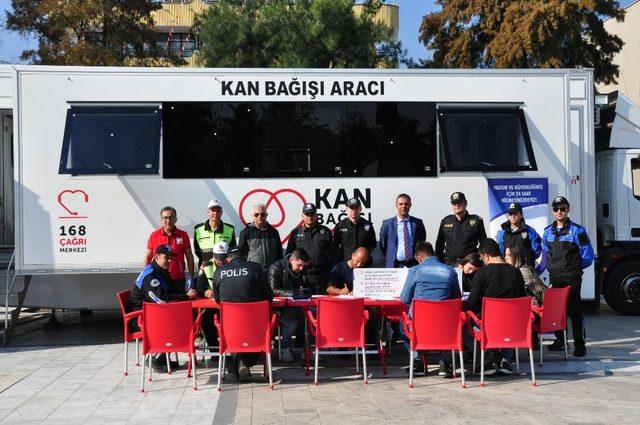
259,214
561,209
168,217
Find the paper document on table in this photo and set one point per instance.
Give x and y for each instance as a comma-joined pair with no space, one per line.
379,283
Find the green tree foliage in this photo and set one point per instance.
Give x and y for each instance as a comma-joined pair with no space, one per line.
523,34
87,32
295,34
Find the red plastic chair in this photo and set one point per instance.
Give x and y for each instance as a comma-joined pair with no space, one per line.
169,328
340,324
436,325
123,299
553,315
244,328
506,323
392,314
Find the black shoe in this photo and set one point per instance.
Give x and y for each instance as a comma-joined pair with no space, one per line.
445,371
418,368
558,345
506,367
490,368
244,374
579,351
159,364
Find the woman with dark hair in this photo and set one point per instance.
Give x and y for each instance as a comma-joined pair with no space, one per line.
516,255
470,264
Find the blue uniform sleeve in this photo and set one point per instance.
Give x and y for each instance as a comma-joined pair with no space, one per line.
500,240
406,296
536,242
586,250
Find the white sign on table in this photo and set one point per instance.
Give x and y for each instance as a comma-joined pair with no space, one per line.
378,283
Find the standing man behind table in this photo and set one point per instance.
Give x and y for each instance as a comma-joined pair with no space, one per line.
459,233
353,232
259,242
241,281
317,241
568,251
209,233
178,240
400,234
515,231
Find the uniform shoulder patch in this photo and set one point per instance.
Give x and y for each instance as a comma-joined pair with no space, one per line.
154,283
524,235
472,222
367,227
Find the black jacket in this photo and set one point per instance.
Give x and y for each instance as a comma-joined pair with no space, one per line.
283,281
495,281
262,246
240,281
152,286
456,238
318,243
347,237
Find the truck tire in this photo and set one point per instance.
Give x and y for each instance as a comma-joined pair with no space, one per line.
622,289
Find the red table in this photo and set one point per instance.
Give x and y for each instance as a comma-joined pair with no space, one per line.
211,303
373,302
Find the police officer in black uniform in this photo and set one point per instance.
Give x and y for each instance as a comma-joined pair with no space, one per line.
317,241
459,233
241,281
353,232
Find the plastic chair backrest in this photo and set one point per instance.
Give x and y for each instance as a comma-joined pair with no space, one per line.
168,327
245,327
506,323
437,325
340,322
123,299
394,312
554,309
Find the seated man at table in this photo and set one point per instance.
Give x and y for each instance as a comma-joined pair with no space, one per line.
341,275
430,280
287,279
241,281
497,279
153,286
204,288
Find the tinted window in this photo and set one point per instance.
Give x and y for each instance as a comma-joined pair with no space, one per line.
111,140
484,140
391,139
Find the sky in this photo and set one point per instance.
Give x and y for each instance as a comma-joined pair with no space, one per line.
411,13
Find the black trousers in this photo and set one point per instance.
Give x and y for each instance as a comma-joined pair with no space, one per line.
208,328
574,309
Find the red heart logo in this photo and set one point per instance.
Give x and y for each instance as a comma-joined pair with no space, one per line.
84,194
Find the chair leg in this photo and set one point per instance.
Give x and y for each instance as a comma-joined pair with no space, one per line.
566,343
220,370
453,363
473,370
167,356
195,381
357,361
410,369
425,363
270,370
482,368
150,368
464,385
517,361
364,364
533,369
126,358
541,348
142,377
137,352
315,368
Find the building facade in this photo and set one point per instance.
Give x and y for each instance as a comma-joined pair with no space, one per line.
174,25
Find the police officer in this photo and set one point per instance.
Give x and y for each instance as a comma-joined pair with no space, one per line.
316,240
153,285
212,231
353,232
241,281
515,231
459,233
568,251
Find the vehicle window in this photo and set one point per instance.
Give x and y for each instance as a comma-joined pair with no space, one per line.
484,140
635,177
111,140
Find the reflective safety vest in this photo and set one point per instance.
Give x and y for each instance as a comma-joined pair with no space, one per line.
205,238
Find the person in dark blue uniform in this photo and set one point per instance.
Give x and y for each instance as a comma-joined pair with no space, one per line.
568,251
515,231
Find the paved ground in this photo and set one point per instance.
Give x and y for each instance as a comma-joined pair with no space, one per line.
77,378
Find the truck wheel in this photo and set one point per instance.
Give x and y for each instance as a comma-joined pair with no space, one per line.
622,290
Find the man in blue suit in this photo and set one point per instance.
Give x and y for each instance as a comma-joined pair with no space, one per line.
399,235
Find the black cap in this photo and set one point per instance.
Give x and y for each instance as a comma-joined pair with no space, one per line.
515,207
457,198
166,250
309,209
559,200
353,202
